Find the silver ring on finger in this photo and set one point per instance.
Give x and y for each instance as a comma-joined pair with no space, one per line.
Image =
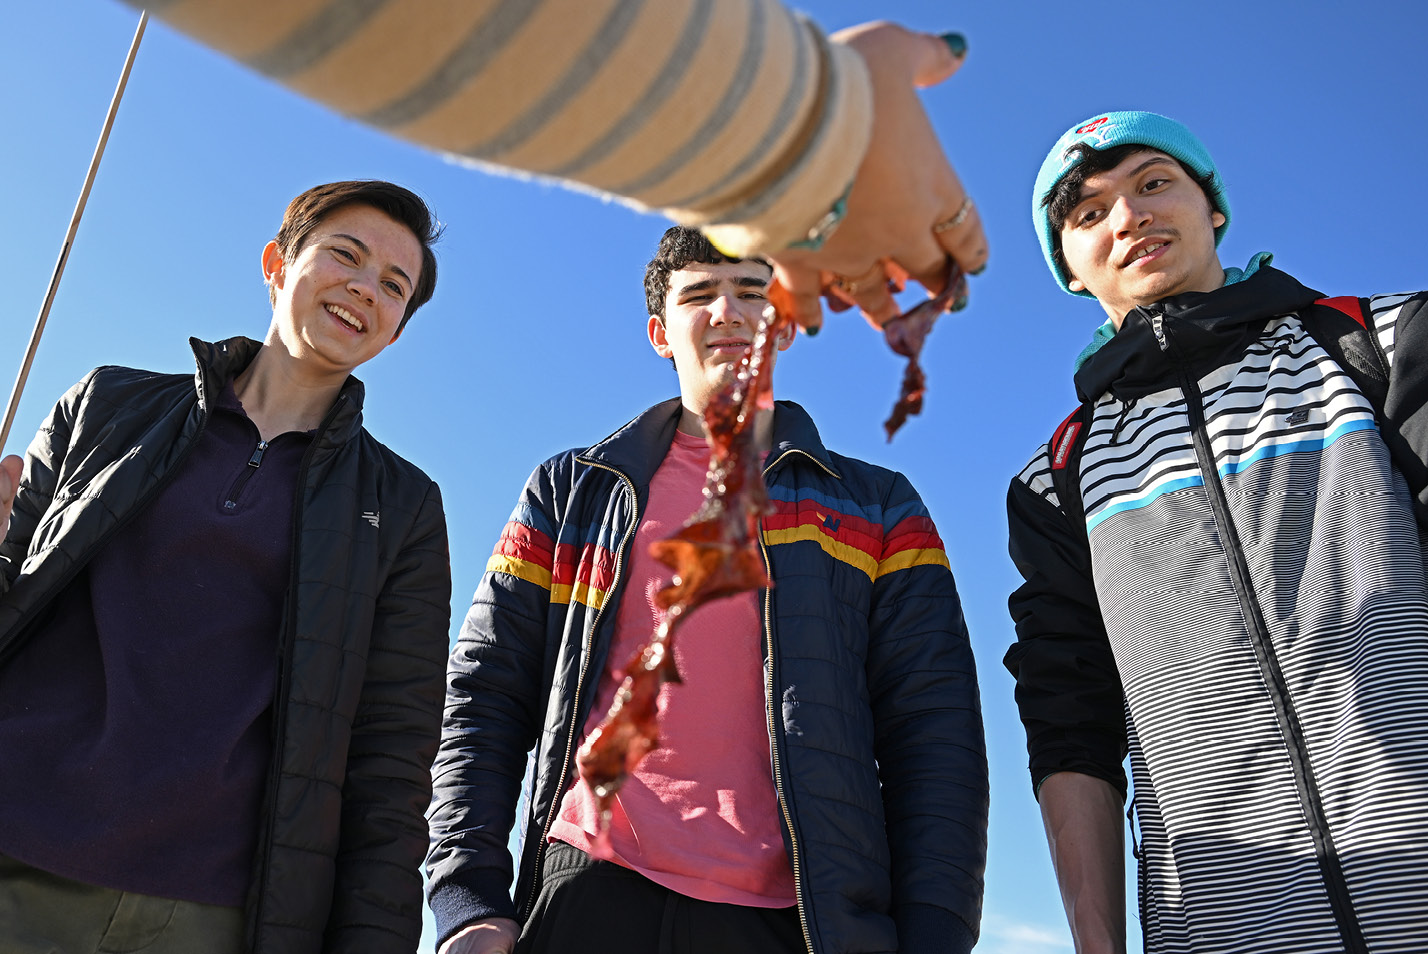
956,219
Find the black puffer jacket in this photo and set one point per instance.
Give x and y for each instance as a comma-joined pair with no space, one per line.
871,691
358,701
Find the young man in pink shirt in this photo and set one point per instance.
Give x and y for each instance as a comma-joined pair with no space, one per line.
820,783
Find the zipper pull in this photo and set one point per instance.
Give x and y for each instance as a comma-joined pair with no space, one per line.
1157,325
257,458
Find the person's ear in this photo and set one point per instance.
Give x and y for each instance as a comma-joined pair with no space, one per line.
1076,285
273,265
786,334
1217,218
658,339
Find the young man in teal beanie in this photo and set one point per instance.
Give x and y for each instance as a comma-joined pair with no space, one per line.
1224,576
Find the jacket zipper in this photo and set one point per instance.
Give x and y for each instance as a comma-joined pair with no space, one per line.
1307,788
585,649
770,716
795,859
254,462
280,690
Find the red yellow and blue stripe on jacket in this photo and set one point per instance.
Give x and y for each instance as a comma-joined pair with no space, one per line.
874,541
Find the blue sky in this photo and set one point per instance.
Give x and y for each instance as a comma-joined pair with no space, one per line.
535,342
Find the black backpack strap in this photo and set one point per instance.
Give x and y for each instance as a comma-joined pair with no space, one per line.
1343,327
1066,446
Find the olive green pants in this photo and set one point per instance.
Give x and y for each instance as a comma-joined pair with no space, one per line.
41,913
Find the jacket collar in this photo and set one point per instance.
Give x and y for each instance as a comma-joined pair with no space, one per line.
1194,332
221,361
637,449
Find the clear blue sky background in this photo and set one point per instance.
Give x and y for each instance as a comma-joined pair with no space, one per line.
535,339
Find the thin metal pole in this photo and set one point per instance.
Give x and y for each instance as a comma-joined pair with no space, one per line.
14,404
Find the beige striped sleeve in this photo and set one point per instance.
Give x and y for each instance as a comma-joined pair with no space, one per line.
733,115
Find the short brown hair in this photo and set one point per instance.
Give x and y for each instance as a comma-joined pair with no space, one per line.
306,211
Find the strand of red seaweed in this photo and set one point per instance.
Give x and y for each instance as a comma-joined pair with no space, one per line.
715,554
906,335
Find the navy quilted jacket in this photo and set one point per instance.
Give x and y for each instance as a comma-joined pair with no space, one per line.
882,778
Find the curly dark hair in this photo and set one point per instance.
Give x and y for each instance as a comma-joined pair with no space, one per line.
679,247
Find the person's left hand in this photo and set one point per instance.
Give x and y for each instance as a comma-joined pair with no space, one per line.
907,205
10,469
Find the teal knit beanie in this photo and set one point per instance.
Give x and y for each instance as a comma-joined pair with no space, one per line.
1105,131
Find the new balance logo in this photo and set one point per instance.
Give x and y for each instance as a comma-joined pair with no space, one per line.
374,517
831,525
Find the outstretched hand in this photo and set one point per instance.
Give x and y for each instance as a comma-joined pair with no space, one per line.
907,205
488,936
10,469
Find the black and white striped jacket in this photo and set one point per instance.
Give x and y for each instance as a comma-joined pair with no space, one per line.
1244,613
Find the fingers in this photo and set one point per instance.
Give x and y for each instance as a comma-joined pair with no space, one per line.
926,58
940,57
871,292
10,469
957,235
960,235
801,286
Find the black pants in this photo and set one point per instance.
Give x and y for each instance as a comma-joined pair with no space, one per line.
597,907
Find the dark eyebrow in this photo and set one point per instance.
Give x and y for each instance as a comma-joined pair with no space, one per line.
362,247
746,281
705,285
1153,160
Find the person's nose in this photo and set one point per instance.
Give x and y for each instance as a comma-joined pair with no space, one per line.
364,286
724,310
1129,214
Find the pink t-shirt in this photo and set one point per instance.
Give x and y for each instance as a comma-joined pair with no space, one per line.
699,815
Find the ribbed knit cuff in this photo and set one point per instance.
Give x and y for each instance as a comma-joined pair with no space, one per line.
455,905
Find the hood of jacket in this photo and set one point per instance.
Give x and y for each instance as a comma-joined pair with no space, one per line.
1190,332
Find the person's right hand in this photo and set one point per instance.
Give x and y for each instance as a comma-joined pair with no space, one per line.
10,469
907,205
488,936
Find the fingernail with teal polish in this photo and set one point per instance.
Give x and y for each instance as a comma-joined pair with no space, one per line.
959,304
956,42
813,330
979,270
